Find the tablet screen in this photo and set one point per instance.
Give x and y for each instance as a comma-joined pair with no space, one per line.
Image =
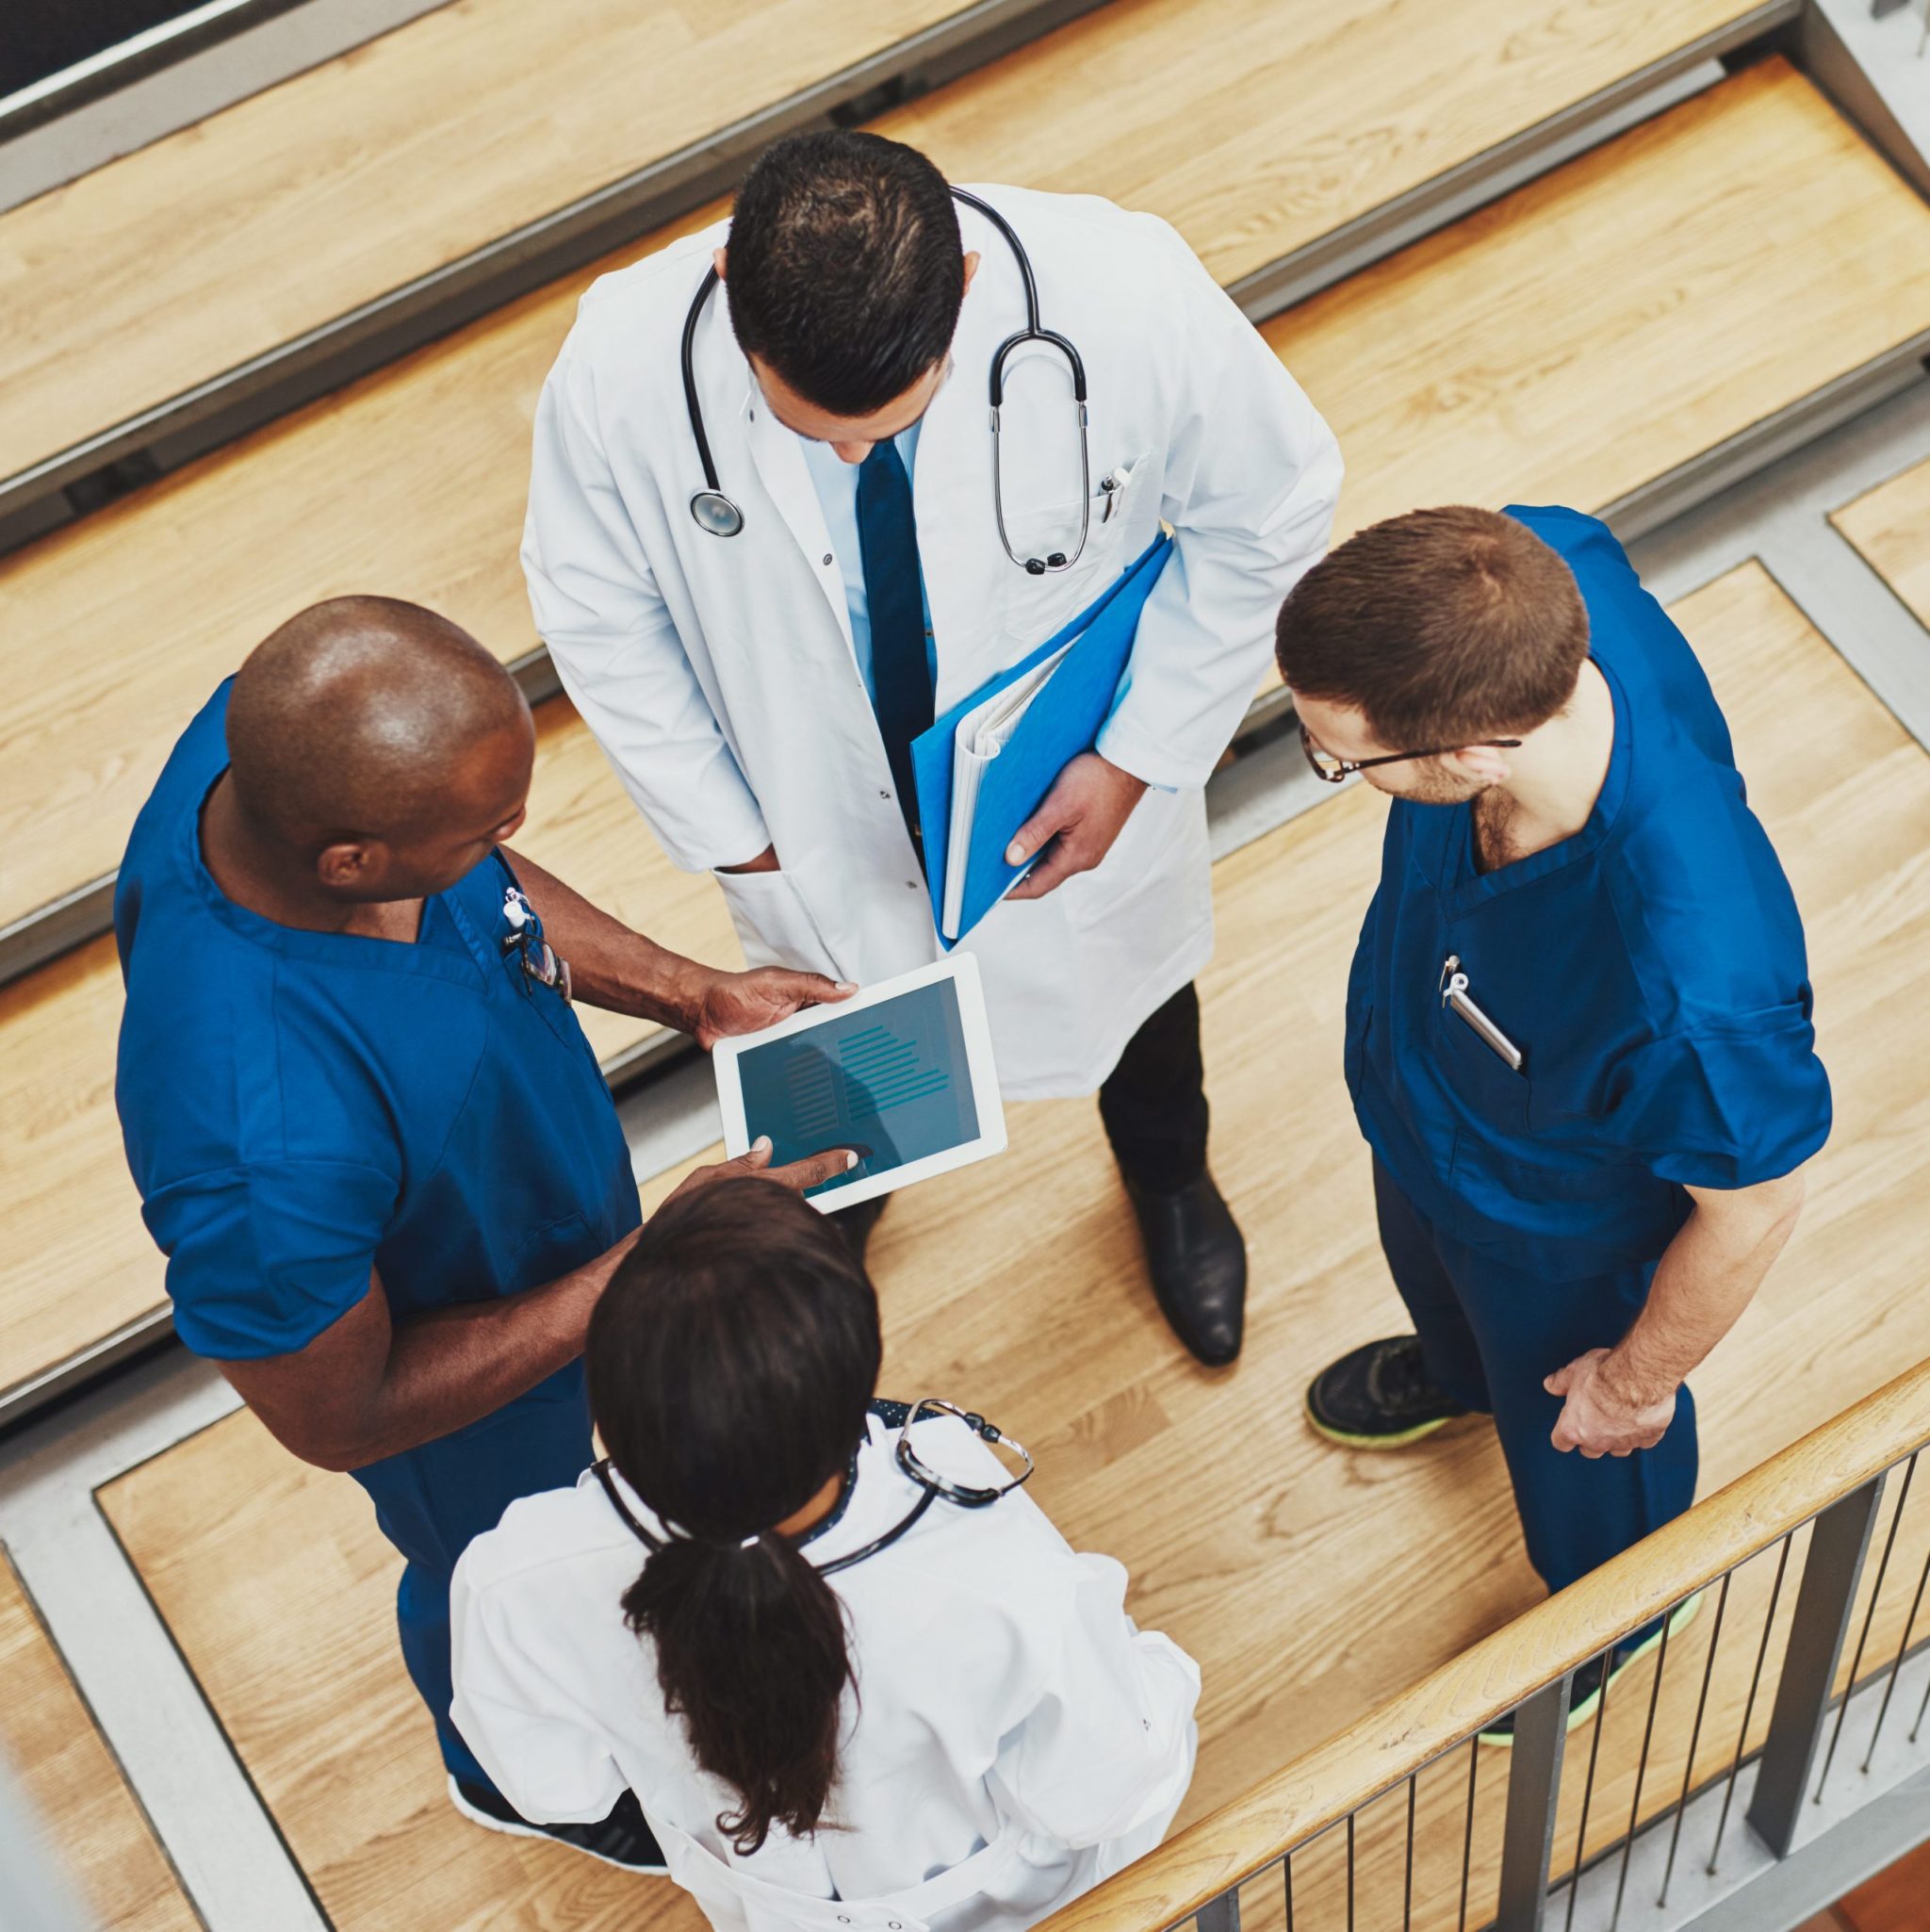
893,1081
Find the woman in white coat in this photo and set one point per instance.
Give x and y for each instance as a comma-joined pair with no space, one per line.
758,691
961,1729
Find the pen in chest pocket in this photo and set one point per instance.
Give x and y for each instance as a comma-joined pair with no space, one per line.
1454,995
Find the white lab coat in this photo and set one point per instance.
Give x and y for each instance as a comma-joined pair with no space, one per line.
1013,1739
719,676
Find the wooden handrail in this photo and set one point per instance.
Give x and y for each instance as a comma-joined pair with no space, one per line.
1409,1730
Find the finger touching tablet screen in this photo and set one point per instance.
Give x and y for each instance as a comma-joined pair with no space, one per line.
902,1072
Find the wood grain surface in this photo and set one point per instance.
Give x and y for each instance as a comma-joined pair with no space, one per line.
1311,1582
1888,524
413,483
296,205
94,1827
171,265
1893,1900
1616,317
1483,410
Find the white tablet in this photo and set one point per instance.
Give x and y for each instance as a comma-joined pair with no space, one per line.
902,1071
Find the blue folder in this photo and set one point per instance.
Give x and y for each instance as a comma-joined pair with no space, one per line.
1063,721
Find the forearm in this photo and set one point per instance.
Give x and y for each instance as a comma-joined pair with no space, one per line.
1707,1277
611,965
453,1366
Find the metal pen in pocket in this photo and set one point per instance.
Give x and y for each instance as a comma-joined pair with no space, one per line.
1454,994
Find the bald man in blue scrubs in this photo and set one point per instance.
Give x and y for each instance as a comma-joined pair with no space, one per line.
368,1130
1579,1034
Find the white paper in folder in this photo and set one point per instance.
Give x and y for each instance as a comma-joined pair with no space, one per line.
982,734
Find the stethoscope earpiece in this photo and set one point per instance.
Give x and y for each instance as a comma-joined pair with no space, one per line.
714,512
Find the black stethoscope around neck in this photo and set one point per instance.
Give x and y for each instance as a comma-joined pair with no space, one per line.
715,512
932,1485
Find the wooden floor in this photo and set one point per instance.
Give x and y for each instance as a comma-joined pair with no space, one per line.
1523,350
336,187
1621,315
70,1779
1893,1900
296,205
1310,1582
1888,524
1565,290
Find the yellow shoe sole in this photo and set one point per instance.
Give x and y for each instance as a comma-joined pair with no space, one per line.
1373,1442
1680,1620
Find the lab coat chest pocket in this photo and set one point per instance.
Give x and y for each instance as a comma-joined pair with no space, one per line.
1036,607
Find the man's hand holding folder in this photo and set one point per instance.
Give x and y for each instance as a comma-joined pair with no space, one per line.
1084,812
1015,770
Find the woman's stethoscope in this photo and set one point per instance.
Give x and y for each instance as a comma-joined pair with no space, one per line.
715,512
933,1485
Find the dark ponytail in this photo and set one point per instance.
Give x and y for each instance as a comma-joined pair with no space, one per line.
730,1362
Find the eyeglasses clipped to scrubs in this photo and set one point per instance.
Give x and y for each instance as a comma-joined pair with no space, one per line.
1336,771
523,943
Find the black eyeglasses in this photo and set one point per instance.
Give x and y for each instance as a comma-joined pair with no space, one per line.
1338,770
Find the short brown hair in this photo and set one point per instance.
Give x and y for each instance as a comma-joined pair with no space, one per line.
1440,627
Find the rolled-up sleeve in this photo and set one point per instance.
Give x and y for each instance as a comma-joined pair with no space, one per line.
261,1258
1725,1109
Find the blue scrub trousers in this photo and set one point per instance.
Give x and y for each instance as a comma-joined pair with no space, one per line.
1489,1334
432,1501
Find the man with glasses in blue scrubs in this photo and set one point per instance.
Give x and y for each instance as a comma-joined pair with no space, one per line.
1579,1034
368,1131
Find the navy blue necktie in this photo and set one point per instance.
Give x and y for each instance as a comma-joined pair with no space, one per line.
894,593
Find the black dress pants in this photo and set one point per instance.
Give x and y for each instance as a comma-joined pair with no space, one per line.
1153,1103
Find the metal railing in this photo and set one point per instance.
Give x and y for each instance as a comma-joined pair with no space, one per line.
1747,1744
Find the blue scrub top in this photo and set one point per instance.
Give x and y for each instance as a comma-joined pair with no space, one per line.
299,1107
1651,969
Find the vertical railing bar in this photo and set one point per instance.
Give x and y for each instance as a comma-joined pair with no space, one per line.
1220,1914
1534,1790
1474,1759
1287,1866
1722,1604
1715,1851
1351,1817
1903,1650
1821,1625
1869,1618
1407,1889
1595,1745
1655,1692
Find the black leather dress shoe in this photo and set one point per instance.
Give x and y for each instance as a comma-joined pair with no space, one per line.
1198,1262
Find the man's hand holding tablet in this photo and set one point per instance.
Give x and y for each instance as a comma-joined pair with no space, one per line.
900,1072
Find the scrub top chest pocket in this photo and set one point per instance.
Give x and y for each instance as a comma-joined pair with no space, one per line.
1483,1063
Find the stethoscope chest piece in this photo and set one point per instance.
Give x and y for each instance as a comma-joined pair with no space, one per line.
716,512
713,512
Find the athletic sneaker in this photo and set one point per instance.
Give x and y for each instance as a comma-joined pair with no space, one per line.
623,1838
1585,1692
1379,1396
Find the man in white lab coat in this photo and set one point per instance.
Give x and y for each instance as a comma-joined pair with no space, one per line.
758,689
